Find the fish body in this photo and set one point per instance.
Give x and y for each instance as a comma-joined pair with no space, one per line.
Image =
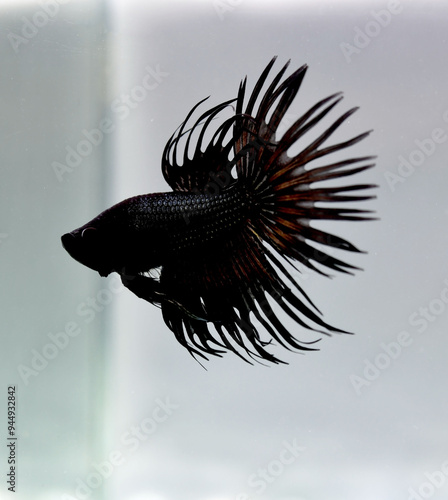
240,209
147,231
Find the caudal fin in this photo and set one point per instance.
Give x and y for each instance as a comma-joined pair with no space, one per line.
235,286
290,191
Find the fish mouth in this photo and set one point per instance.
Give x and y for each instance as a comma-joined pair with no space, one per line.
72,244
68,242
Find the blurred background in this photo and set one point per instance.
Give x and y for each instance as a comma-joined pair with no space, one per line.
108,404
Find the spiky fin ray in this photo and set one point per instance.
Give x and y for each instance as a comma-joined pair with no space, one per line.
286,194
227,287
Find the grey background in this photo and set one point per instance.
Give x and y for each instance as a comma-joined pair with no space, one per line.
223,425
52,86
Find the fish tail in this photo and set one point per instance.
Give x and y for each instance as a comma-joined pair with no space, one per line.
230,292
290,192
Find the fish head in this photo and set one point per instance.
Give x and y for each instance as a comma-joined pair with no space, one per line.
89,247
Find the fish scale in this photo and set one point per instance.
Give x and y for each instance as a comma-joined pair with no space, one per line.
190,220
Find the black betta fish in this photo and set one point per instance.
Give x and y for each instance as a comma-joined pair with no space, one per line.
212,253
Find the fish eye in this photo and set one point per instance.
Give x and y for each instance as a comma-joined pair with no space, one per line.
88,233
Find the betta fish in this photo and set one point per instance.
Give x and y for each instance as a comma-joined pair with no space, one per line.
216,253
